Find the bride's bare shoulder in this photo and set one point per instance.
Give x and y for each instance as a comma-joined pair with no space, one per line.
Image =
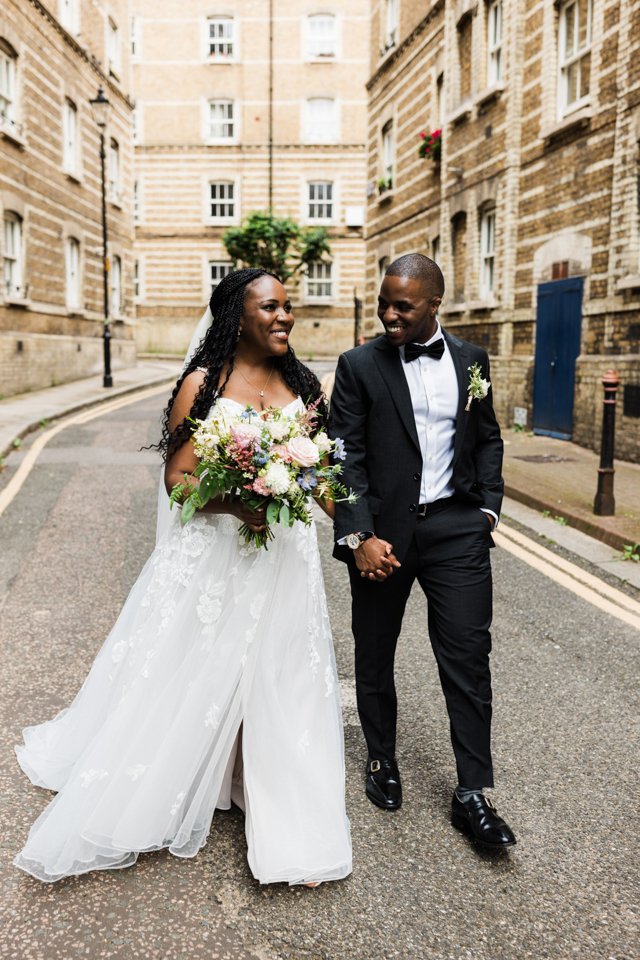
189,389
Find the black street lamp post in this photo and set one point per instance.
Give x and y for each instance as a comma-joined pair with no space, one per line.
100,108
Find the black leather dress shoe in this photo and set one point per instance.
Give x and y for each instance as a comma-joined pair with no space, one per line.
476,816
382,784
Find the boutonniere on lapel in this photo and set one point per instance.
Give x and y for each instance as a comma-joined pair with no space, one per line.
478,387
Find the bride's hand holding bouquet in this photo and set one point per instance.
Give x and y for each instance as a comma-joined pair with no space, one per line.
269,462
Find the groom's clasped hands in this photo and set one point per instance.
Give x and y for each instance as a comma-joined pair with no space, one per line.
375,559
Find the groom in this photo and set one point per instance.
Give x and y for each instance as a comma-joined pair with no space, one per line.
425,461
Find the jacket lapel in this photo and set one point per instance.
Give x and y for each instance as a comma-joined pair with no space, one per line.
389,363
461,361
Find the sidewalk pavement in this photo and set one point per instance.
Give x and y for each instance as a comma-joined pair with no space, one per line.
21,414
561,477
541,472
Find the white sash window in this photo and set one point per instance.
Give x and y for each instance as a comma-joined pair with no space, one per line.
320,200
321,36
574,55
319,283
12,254
494,43
220,38
320,121
221,120
72,267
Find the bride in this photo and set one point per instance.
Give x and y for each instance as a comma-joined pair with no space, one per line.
218,681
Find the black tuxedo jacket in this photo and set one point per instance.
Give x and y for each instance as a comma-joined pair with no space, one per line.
371,410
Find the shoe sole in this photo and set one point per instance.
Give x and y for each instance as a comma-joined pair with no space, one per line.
382,806
463,826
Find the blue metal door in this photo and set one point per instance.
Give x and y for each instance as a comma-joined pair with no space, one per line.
558,327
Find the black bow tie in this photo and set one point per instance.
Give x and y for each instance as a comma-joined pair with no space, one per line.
414,350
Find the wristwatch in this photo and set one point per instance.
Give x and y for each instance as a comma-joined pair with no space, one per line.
353,540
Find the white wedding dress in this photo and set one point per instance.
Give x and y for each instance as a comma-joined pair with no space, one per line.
218,645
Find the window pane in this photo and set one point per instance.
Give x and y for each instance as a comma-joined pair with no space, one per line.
585,72
320,201
222,200
12,254
387,151
319,279
217,270
322,35
221,119
320,126
391,32
116,286
7,85
221,37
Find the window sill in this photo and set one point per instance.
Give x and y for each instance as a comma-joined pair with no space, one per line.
326,58
492,93
221,141
116,201
75,177
455,308
220,61
387,50
318,301
22,303
385,197
572,122
482,305
630,282
13,132
79,312
222,222
462,112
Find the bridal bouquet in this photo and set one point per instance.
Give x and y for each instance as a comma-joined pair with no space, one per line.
264,457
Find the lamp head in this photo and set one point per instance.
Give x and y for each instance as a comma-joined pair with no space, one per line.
100,108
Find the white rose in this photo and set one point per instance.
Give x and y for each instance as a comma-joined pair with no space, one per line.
322,442
303,451
247,431
484,386
276,478
279,429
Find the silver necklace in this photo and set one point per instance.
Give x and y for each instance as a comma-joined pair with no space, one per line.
253,386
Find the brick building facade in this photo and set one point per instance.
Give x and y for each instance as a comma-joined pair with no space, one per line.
206,85
530,200
53,58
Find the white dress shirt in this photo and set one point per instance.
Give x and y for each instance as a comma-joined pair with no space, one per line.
433,386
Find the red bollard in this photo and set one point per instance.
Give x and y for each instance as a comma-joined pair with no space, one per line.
604,504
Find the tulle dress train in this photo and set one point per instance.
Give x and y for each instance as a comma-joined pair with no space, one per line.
218,643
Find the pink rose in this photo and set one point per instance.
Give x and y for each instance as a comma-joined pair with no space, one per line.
303,451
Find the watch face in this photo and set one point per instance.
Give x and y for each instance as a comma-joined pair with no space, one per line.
353,541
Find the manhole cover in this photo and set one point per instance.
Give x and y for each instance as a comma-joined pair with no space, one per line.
546,458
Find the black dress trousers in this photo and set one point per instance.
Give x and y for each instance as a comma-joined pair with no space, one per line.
449,556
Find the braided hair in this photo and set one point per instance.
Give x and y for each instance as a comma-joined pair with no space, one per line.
217,347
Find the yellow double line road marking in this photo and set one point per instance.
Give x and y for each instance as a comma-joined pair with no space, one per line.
15,484
570,576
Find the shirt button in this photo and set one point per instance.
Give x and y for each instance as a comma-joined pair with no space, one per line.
416,476
412,508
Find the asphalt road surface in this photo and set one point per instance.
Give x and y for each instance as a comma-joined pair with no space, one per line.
565,744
